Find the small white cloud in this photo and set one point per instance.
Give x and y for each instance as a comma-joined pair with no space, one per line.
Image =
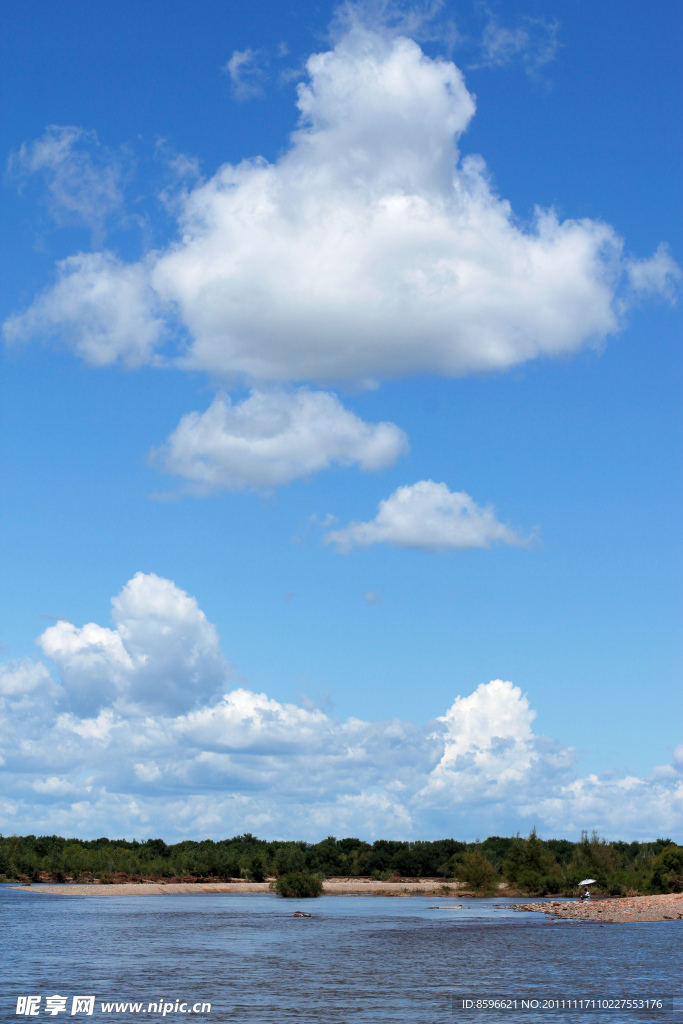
533,42
272,438
372,596
246,74
428,517
184,166
500,44
658,275
83,181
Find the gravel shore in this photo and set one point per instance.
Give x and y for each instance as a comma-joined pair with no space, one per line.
618,910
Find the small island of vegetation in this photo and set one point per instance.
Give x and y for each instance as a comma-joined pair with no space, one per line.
298,884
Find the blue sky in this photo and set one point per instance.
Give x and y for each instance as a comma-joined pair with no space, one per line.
380,412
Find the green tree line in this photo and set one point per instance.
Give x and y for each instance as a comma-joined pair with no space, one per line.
529,865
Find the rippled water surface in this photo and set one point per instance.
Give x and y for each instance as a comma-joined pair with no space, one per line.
357,959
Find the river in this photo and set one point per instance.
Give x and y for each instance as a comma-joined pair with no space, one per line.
356,959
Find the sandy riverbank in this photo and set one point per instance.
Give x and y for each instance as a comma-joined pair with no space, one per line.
331,887
618,910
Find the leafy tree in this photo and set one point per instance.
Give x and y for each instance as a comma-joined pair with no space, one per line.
478,872
256,869
667,870
289,858
532,867
157,848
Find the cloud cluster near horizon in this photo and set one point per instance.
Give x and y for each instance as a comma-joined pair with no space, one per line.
368,250
143,734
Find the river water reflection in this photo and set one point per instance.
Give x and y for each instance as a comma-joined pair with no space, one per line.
357,959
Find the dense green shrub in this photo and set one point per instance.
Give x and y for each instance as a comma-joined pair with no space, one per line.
299,885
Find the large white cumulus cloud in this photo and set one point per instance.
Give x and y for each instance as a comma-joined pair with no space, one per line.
163,655
143,735
368,250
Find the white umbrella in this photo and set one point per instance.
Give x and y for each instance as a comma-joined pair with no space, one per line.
587,881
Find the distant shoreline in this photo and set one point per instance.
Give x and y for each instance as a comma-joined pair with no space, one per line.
615,910
331,887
